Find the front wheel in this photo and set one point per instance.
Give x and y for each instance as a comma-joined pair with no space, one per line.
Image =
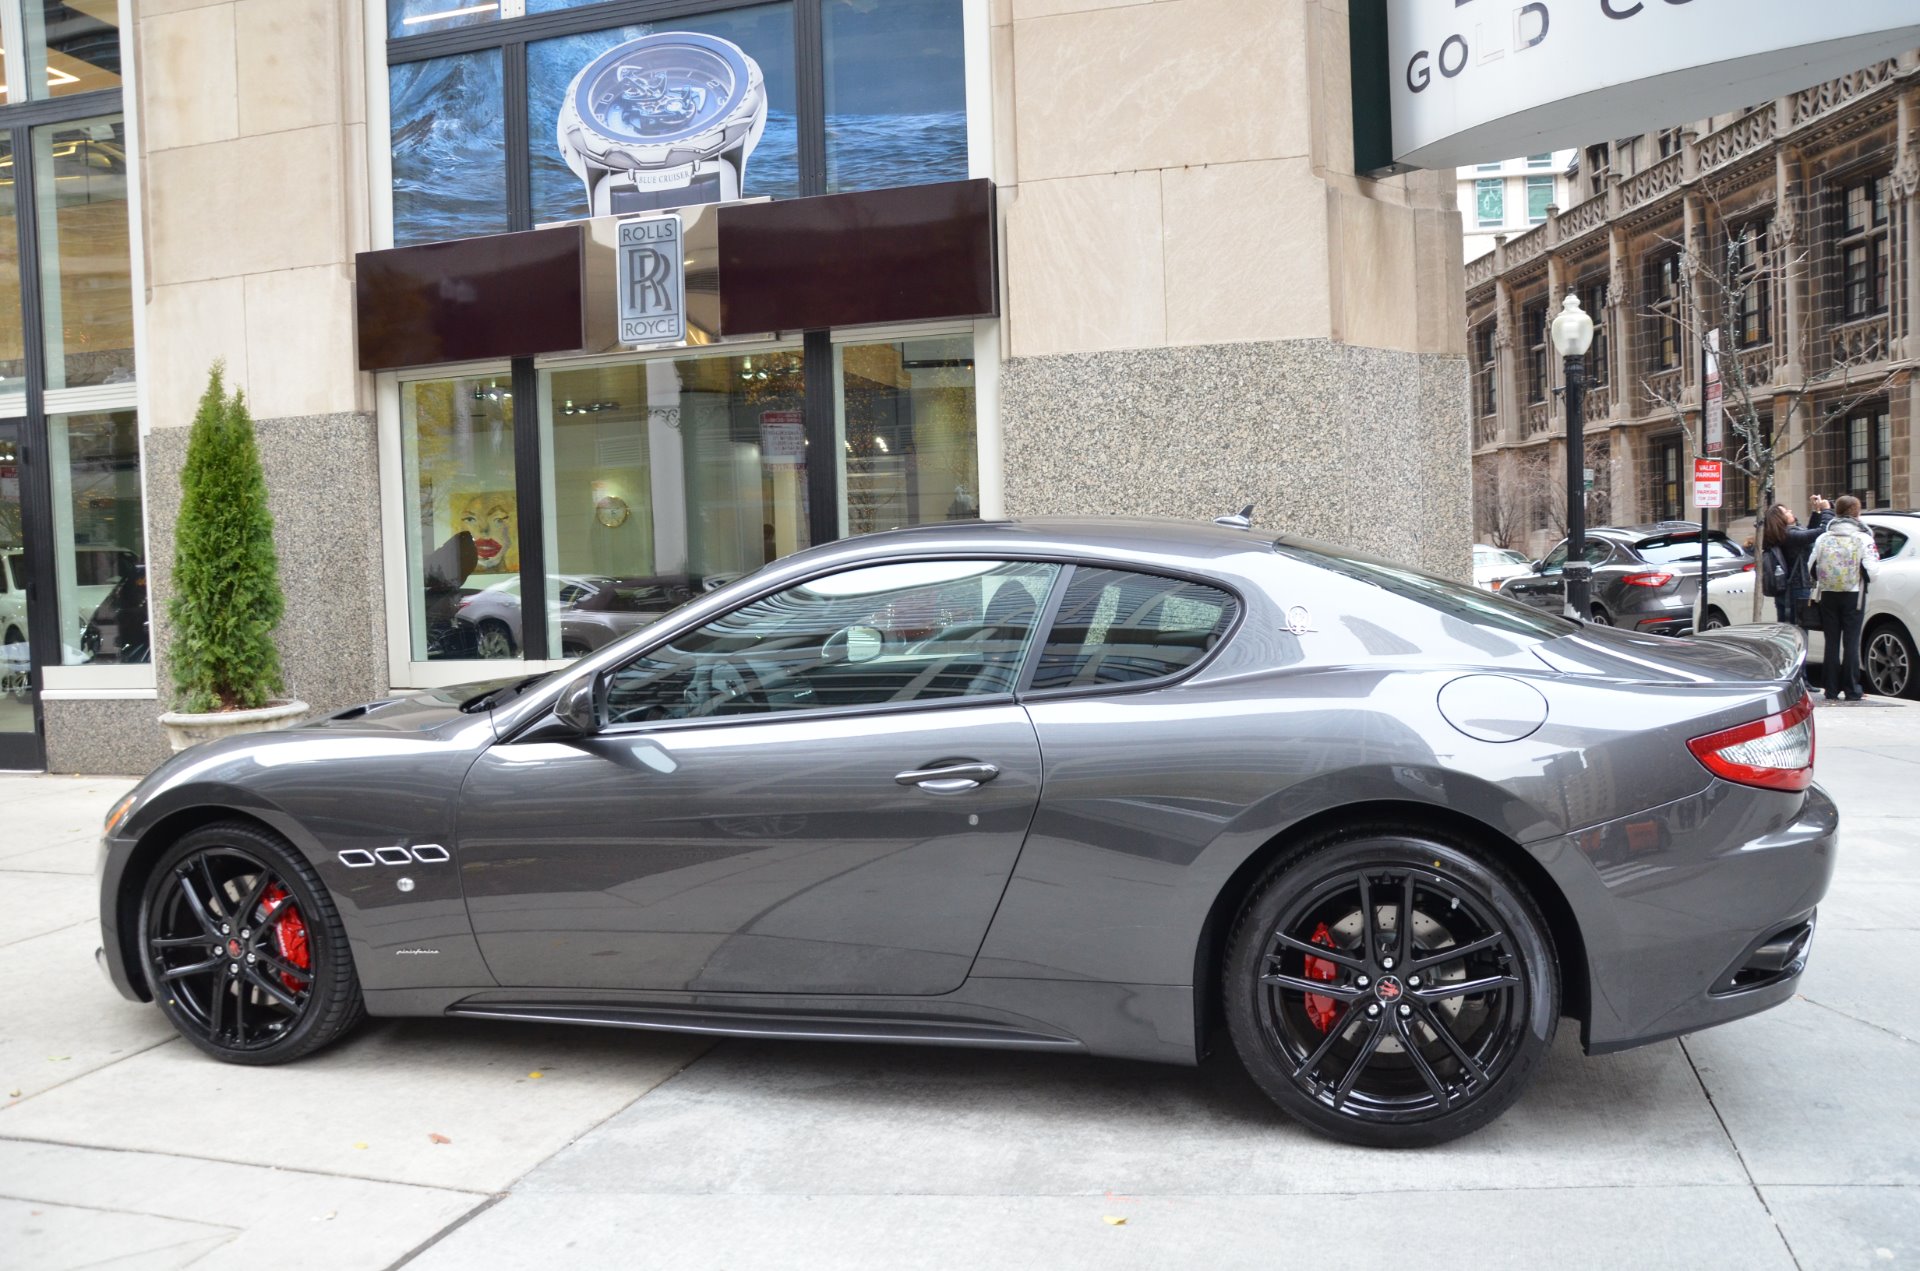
1889,661
1390,989
1714,621
243,949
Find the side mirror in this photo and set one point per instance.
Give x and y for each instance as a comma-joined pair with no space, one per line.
1538,567
575,706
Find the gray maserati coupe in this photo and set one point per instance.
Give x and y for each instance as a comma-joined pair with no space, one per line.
1128,788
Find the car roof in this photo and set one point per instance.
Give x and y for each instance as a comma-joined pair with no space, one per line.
1144,535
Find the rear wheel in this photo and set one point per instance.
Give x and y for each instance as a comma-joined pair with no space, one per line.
1715,620
243,949
1600,618
1390,989
494,640
1889,660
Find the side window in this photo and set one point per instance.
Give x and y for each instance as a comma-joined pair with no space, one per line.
1118,627
1888,541
1556,560
913,632
1597,553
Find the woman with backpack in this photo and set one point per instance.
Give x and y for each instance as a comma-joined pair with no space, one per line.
1783,565
1839,564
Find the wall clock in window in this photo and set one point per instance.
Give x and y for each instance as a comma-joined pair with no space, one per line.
612,511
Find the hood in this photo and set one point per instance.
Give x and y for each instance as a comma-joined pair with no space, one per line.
1761,653
415,713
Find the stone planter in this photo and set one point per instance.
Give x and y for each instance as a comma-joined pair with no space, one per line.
185,729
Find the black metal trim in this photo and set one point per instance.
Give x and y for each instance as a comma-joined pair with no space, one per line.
823,467
543,26
810,95
530,510
519,142
36,482
55,110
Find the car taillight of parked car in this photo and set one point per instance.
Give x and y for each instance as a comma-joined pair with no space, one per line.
1653,578
1775,753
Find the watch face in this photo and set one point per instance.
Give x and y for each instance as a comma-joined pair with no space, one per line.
663,88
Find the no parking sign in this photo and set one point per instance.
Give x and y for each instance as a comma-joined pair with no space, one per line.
1707,483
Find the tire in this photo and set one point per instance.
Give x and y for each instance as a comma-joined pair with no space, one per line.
14,636
1425,1068
1600,618
1888,661
219,883
495,640
1715,619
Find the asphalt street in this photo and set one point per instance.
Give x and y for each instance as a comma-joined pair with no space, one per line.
1787,1140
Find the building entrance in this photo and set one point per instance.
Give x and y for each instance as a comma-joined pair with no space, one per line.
20,746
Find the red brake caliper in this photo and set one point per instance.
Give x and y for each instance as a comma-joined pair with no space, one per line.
1320,1010
290,937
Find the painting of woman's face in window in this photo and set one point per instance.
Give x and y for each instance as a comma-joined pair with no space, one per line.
488,516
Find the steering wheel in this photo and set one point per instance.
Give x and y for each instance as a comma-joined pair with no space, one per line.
720,685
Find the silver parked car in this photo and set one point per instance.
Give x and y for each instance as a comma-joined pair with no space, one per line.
1129,788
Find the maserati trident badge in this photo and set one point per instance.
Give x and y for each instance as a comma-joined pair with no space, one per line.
667,120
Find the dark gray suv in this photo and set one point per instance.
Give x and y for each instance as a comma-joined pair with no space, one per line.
1644,576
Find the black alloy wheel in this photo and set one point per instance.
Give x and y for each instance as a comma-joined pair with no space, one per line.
1889,661
1600,618
1390,989
243,950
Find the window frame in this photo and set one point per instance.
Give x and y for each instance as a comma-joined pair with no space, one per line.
1026,692
1665,294
1873,240
1533,323
1536,182
1749,263
1875,418
1482,186
1486,369
1595,299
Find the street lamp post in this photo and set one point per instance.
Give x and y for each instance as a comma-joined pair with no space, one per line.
1573,336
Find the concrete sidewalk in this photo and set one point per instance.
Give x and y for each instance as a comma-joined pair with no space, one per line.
1791,1139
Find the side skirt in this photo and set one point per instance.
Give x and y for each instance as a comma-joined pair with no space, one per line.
843,1028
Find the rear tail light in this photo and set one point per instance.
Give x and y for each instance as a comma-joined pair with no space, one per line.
1775,753
1655,578
1747,568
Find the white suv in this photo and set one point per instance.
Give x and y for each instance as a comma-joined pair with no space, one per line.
1888,659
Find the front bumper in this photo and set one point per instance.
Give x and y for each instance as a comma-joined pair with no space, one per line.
1699,912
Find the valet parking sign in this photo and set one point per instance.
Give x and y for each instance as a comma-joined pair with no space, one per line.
1707,483
652,282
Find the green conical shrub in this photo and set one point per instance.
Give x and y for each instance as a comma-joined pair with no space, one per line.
226,576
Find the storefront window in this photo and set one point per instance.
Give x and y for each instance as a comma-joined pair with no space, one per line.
71,47
670,477
86,273
896,93
449,148
100,552
13,337
665,114
462,517
906,415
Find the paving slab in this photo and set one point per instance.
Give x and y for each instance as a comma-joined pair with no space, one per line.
1831,1228
34,904
62,1018
50,1237
368,1106
1694,1227
1869,904
813,1119
266,1216
1812,1096
74,856
1871,976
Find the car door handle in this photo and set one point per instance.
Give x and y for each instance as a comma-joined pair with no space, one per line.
949,778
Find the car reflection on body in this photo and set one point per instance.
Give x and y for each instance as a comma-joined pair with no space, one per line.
1889,653
1645,577
593,611
1133,788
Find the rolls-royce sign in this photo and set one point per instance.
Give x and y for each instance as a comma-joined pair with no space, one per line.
1472,81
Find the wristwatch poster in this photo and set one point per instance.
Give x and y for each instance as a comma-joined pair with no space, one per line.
667,120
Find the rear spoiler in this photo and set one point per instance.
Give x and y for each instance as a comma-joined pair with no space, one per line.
1784,647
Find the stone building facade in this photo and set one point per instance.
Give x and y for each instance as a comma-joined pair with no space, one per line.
1810,204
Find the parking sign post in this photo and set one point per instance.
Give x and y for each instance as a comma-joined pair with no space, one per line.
1707,487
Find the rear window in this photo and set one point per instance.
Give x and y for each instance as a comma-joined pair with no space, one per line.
1669,549
1888,541
1454,600
1120,627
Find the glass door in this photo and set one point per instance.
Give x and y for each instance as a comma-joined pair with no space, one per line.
19,706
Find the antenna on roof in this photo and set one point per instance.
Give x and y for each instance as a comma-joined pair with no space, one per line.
1241,520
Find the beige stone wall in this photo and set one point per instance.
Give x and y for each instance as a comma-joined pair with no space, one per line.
1180,172
252,136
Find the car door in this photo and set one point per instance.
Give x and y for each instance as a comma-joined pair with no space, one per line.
1544,589
823,791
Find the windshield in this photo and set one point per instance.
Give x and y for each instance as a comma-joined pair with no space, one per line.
1454,600
1673,551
